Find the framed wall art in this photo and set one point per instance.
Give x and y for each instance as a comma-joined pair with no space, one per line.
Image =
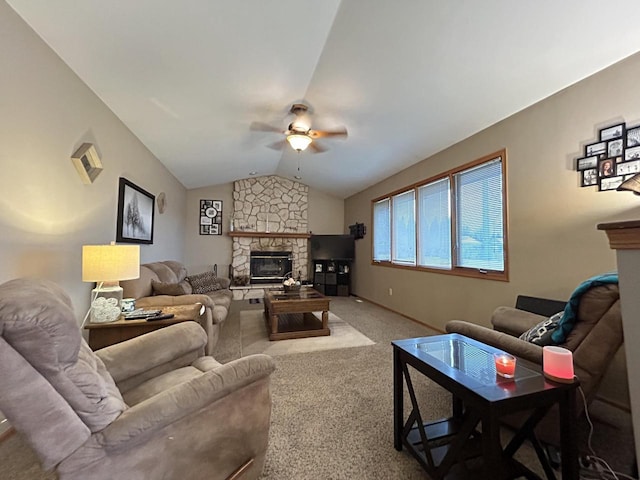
613,158
611,133
87,163
136,208
210,217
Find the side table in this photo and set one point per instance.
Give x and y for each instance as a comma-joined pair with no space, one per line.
465,367
104,334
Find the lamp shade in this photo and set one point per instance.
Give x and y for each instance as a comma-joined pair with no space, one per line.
110,263
632,184
299,141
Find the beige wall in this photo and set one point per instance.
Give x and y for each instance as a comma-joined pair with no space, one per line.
326,213
204,251
553,241
326,216
46,212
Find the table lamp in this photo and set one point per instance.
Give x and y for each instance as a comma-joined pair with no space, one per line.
107,265
557,364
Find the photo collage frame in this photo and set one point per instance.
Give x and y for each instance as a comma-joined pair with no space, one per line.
614,158
210,217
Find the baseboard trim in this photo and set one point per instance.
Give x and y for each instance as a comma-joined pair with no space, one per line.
437,329
5,435
241,470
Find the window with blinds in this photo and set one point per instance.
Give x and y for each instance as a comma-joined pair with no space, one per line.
479,215
452,223
403,239
435,224
382,231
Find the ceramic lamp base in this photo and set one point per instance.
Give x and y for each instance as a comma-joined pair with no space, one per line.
106,304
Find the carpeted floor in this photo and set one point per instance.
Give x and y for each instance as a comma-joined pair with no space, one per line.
332,410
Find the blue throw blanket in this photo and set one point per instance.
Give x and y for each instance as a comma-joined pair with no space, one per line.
570,311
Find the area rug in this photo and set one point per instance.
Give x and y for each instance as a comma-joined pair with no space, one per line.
255,339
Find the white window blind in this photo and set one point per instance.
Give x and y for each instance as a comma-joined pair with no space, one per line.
382,231
434,212
404,228
479,217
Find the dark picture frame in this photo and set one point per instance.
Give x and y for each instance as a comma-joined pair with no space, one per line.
586,163
589,177
633,137
210,217
615,147
628,168
631,154
606,167
611,133
136,210
609,183
593,149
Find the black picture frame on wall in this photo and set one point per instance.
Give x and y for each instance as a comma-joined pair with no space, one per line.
609,183
589,177
136,209
633,137
586,163
628,168
615,147
606,167
210,217
594,149
612,132
631,154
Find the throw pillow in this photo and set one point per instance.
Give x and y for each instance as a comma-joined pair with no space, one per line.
541,333
204,282
161,288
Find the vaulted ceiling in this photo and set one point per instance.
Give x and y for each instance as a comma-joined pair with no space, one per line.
407,78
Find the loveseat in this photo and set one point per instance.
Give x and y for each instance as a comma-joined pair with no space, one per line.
147,408
167,283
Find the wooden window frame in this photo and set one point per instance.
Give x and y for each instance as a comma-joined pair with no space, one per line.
455,269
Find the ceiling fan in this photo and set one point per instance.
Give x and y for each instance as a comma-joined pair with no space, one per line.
299,133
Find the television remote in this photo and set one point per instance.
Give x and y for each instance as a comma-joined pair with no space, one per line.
141,314
160,317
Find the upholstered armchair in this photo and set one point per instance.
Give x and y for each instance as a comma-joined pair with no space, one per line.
149,408
595,338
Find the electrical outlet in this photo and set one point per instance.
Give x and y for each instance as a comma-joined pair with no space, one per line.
390,291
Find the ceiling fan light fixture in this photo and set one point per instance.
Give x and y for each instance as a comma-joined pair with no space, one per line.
299,142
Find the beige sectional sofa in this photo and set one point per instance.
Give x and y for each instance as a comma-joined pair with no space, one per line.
165,283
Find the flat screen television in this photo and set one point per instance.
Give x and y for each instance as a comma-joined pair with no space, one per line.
333,247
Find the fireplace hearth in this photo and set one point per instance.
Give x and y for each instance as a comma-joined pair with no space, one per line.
269,266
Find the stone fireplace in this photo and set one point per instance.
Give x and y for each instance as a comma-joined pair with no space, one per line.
269,215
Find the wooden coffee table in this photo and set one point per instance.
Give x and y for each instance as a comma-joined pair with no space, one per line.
290,314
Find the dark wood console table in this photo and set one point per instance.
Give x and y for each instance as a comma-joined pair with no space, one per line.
465,367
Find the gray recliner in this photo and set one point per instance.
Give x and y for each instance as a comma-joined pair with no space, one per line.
153,407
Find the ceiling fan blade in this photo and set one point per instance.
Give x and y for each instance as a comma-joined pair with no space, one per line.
264,127
317,148
279,145
342,132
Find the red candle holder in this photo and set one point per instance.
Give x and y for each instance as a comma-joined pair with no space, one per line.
505,364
